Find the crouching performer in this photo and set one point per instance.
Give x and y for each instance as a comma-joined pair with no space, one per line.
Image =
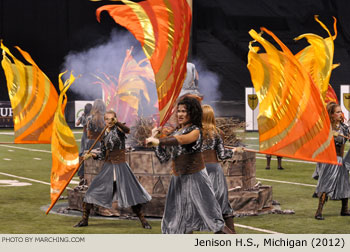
115,180
190,203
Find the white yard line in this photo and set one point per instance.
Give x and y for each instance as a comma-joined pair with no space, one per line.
257,229
34,180
286,182
13,133
22,148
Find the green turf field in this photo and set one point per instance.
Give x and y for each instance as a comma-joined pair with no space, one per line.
21,206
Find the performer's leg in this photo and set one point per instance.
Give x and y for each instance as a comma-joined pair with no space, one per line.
137,209
268,162
322,200
86,212
229,223
344,207
279,163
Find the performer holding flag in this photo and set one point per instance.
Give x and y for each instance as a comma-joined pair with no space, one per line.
116,180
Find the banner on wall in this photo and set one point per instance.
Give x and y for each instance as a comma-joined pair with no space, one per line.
251,109
345,100
79,110
6,117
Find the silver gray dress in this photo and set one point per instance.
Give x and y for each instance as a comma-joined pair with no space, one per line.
190,203
115,181
216,173
334,179
83,142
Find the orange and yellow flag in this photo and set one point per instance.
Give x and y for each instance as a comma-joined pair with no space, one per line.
33,98
65,153
163,29
317,58
293,121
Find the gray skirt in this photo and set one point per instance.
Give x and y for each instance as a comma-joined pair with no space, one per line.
218,180
333,180
126,189
191,205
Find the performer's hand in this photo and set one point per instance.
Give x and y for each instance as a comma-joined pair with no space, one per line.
87,156
114,120
152,141
239,149
335,133
155,131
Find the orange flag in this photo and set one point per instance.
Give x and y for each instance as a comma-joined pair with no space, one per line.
33,98
293,121
65,154
331,95
163,29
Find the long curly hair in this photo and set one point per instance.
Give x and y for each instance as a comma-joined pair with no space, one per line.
194,110
208,121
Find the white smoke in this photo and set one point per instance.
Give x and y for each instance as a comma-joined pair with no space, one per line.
104,58
208,83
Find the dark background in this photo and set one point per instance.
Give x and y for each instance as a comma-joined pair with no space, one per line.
50,29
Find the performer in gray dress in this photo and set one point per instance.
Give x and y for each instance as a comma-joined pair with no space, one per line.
83,121
213,148
333,180
116,180
190,203
95,123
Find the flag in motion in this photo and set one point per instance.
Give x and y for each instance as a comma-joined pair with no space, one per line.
33,98
317,60
65,154
163,29
123,94
293,121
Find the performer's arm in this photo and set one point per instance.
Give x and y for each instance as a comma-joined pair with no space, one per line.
221,151
123,127
187,138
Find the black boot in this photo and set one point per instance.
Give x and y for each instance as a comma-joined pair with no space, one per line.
230,224
344,208
86,212
268,162
137,209
322,200
225,230
279,163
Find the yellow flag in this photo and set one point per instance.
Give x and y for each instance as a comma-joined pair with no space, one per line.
317,58
65,155
33,98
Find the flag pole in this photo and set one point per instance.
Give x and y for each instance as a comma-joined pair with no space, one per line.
73,173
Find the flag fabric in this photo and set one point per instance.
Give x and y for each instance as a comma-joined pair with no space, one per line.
163,29
317,58
331,95
33,98
65,154
130,83
292,120
123,94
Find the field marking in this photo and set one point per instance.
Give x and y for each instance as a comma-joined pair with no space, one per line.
22,148
7,159
257,229
34,180
286,182
13,133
